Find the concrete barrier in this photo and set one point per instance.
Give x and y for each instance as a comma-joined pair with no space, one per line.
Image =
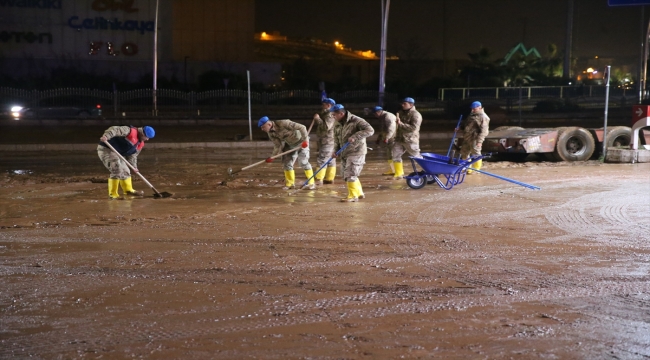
628,156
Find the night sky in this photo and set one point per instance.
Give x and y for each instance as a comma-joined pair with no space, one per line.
416,26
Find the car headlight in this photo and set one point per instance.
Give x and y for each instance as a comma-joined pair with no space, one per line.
16,109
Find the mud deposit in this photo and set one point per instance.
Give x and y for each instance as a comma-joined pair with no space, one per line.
487,270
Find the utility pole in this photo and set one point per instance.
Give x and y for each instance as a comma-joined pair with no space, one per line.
568,44
155,63
382,55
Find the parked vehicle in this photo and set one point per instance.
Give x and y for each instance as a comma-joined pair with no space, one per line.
556,144
56,112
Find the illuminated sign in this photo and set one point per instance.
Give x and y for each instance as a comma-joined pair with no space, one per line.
128,49
100,23
114,5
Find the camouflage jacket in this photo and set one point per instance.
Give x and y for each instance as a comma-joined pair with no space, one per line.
409,129
388,127
476,127
122,131
286,132
352,126
325,127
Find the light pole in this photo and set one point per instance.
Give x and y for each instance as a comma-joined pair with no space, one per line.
566,71
155,62
382,55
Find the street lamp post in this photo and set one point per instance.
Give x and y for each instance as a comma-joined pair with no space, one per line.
382,55
155,62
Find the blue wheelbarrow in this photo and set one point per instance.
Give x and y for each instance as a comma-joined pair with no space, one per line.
448,171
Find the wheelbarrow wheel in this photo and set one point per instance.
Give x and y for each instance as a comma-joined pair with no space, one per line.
416,180
430,179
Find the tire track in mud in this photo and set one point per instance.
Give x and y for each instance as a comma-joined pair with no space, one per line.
345,308
587,217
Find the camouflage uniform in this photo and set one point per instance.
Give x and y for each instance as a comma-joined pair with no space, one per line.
354,156
388,130
476,129
287,135
117,167
325,132
408,134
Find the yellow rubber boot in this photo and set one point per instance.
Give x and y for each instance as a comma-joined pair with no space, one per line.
289,179
310,185
330,174
477,165
127,187
359,190
399,170
113,186
392,168
352,197
319,177
468,171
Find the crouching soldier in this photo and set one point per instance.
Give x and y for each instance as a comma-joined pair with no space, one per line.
287,135
128,141
353,130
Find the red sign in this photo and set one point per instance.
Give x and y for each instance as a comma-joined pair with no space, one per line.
640,112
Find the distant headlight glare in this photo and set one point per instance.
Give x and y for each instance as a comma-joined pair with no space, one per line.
16,109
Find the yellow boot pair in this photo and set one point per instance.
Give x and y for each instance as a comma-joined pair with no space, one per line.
355,192
310,185
399,170
330,174
392,168
289,180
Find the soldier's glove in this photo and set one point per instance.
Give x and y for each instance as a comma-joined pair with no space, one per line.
269,160
305,144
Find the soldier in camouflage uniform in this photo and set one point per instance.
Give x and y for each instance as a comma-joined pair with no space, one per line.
325,132
287,135
354,130
387,134
408,135
476,129
128,141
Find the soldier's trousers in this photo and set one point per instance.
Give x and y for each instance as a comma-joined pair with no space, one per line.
351,167
302,155
325,152
469,148
117,167
400,148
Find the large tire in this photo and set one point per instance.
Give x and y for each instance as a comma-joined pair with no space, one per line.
619,136
574,144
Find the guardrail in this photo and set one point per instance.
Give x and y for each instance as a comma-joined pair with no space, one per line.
530,92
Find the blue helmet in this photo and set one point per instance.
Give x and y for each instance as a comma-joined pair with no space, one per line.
476,104
263,120
328,101
409,100
149,132
377,108
337,107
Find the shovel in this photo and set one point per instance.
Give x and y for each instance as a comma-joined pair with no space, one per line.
157,194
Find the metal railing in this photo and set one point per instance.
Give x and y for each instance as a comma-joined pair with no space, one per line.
530,92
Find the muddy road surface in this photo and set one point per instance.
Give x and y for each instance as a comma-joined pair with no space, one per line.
240,269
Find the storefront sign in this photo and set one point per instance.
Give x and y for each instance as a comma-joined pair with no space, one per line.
25,36
37,4
100,23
